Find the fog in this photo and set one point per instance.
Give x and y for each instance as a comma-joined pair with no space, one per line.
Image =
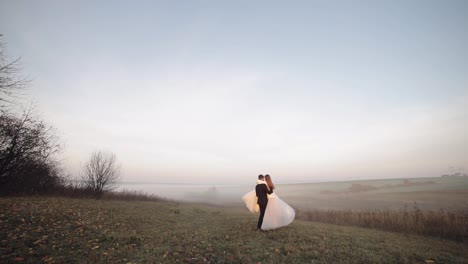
448,193
215,194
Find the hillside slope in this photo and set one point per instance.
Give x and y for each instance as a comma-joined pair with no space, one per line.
59,230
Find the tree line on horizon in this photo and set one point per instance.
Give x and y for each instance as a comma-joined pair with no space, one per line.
30,148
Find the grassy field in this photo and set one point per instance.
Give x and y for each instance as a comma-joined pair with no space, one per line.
427,193
61,230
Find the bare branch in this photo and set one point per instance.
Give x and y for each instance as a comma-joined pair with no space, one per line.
101,173
11,82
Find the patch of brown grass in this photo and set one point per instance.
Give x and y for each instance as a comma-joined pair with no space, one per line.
127,195
80,192
437,223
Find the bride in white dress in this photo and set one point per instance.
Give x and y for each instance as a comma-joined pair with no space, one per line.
277,214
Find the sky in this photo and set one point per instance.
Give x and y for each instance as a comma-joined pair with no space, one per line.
221,91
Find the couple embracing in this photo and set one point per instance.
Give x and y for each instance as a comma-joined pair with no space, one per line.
274,212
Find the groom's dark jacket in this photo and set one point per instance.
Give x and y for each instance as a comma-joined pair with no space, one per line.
262,191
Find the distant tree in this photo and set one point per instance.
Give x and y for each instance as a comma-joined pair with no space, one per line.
101,173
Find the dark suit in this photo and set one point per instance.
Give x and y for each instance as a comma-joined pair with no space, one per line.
262,191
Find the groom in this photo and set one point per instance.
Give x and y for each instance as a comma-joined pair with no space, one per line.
262,190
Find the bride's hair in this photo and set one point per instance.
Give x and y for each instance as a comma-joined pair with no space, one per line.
269,182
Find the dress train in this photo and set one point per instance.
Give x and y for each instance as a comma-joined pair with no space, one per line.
278,213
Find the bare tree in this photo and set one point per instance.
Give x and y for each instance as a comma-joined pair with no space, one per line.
27,144
11,82
101,172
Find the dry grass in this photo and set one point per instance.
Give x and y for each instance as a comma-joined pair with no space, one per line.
437,223
62,230
80,192
127,195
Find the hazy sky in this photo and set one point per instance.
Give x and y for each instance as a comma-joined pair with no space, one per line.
220,91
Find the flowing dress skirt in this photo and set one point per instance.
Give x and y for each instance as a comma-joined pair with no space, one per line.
277,214
250,200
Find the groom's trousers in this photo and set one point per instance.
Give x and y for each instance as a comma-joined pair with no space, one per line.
262,214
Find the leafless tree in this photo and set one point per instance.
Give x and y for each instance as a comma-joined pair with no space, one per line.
101,172
27,145
11,81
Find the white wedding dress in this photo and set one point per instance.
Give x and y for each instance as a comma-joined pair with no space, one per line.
277,214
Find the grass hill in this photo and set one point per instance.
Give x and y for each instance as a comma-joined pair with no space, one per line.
63,230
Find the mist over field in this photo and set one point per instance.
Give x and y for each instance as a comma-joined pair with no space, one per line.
449,193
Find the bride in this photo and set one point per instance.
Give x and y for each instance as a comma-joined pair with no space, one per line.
277,214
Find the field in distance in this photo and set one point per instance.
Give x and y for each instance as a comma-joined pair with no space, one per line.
448,193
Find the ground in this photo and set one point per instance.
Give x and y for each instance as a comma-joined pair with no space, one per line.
62,230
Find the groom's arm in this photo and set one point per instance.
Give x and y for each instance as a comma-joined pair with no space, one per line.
267,190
